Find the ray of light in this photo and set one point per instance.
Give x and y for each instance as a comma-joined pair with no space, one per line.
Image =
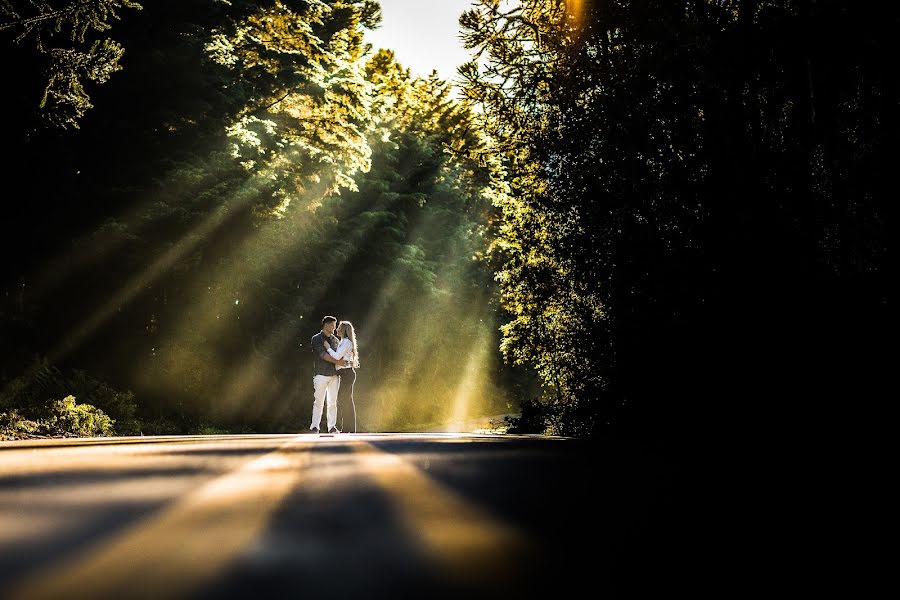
139,282
419,381
251,378
469,388
102,241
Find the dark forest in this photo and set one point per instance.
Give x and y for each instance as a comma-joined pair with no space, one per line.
640,219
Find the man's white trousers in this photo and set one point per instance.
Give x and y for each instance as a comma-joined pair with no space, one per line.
325,387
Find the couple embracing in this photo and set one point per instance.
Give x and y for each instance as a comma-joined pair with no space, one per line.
334,373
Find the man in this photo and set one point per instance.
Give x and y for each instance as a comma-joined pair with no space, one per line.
325,378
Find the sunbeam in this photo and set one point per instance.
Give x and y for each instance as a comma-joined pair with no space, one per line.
140,281
104,240
470,385
251,378
442,366
349,187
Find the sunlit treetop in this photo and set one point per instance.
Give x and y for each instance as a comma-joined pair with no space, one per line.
298,65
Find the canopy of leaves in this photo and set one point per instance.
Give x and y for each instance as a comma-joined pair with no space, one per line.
67,43
250,169
695,187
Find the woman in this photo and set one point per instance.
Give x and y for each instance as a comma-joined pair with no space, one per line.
346,350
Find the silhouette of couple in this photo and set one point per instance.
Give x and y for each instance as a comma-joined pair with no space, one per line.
334,373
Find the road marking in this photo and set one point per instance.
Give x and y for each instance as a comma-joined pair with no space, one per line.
175,552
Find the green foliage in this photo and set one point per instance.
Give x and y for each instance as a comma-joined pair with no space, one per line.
120,406
31,404
65,100
677,171
533,418
541,284
305,102
249,170
57,418
75,18
647,181
413,228
67,418
14,426
207,429
164,425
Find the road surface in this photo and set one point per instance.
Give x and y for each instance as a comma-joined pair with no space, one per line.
314,516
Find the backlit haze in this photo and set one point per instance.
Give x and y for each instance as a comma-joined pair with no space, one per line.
424,35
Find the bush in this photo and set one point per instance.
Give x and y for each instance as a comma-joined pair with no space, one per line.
31,405
67,418
14,426
534,418
57,418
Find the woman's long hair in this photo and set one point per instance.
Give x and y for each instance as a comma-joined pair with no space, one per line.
346,330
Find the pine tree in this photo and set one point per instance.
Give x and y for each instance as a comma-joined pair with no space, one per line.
68,43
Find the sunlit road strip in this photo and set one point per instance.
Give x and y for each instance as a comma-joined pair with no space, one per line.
182,548
201,515
467,542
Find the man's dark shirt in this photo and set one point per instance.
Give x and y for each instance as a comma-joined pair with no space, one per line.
320,365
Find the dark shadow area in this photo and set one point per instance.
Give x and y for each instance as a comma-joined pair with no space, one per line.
79,522
49,480
334,539
588,513
604,514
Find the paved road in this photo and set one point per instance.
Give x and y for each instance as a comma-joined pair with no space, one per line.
305,516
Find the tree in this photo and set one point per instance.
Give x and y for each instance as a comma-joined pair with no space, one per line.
47,29
405,244
298,65
670,196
